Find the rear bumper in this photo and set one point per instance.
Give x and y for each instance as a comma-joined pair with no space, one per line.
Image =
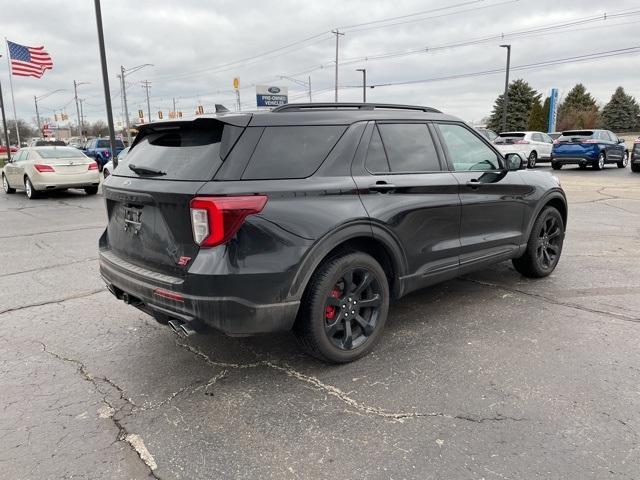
574,159
52,181
233,315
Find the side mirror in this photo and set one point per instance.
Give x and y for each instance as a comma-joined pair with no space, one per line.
515,162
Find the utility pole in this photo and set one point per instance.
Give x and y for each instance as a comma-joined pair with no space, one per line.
301,83
4,125
146,84
174,108
123,73
337,33
81,116
105,82
310,99
505,98
35,100
75,96
364,83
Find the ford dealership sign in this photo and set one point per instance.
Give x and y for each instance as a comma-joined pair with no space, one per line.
271,96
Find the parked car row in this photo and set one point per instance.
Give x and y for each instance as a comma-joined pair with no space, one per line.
595,148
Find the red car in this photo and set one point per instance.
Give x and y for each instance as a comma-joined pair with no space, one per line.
3,149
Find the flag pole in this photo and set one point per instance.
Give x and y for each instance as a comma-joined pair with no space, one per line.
13,99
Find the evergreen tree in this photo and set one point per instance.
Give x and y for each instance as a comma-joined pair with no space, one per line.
621,113
521,99
545,112
537,121
578,110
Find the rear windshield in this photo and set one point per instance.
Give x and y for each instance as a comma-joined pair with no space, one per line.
509,137
105,144
575,135
47,143
63,152
184,152
292,152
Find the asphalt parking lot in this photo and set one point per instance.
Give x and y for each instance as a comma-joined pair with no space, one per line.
487,376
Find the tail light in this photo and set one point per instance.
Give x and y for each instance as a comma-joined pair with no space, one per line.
556,141
106,153
93,166
215,220
43,168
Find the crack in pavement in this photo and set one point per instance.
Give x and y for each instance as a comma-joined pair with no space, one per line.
50,267
336,392
619,316
20,235
56,301
132,439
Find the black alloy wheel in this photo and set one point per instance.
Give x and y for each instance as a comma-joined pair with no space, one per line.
352,309
544,246
549,242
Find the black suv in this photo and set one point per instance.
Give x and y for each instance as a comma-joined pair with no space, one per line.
313,217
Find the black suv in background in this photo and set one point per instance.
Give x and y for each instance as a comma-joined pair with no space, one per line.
313,217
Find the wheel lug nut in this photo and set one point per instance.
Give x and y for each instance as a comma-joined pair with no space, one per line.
354,302
353,311
346,314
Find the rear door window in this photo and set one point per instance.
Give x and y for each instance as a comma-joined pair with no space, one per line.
376,156
189,151
409,147
292,152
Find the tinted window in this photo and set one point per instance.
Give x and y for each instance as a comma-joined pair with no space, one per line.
612,136
376,156
105,144
186,152
466,151
409,147
292,152
509,138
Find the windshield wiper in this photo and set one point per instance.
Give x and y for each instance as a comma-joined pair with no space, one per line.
145,170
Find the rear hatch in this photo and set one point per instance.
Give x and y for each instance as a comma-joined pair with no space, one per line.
575,142
147,197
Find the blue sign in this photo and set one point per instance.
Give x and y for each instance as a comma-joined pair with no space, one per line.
271,96
553,110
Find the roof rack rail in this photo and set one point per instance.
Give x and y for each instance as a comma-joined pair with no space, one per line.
299,107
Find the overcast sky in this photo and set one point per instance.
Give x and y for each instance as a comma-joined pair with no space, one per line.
196,48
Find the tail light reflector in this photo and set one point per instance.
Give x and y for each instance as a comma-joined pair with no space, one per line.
93,166
215,220
43,168
168,294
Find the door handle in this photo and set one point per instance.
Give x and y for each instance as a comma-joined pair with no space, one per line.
382,187
473,183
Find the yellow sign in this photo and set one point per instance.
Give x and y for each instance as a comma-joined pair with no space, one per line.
236,83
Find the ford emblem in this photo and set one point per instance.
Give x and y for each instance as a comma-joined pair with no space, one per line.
274,90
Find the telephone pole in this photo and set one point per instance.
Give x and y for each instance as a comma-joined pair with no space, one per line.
75,96
337,33
505,98
146,84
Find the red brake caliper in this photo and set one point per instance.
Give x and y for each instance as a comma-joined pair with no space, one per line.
330,311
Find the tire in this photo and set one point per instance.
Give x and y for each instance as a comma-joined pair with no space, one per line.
556,165
338,289
533,157
30,189
625,160
582,166
635,167
91,190
544,246
5,185
599,165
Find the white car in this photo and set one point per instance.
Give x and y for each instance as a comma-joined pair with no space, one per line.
39,169
108,167
534,146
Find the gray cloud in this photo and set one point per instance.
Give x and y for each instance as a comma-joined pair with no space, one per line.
182,39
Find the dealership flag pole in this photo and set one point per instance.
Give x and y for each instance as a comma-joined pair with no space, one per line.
13,99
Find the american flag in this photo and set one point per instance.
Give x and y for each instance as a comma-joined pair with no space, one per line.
28,61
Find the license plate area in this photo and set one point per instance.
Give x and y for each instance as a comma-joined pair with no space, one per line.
132,219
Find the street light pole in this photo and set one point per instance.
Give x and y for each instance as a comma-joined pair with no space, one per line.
75,96
123,73
364,83
105,82
505,98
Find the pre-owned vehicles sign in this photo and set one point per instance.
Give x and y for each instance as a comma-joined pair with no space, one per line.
271,96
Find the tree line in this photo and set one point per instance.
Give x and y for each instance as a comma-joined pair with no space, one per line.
578,109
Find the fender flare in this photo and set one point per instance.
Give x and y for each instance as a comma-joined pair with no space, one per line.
551,195
341,234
